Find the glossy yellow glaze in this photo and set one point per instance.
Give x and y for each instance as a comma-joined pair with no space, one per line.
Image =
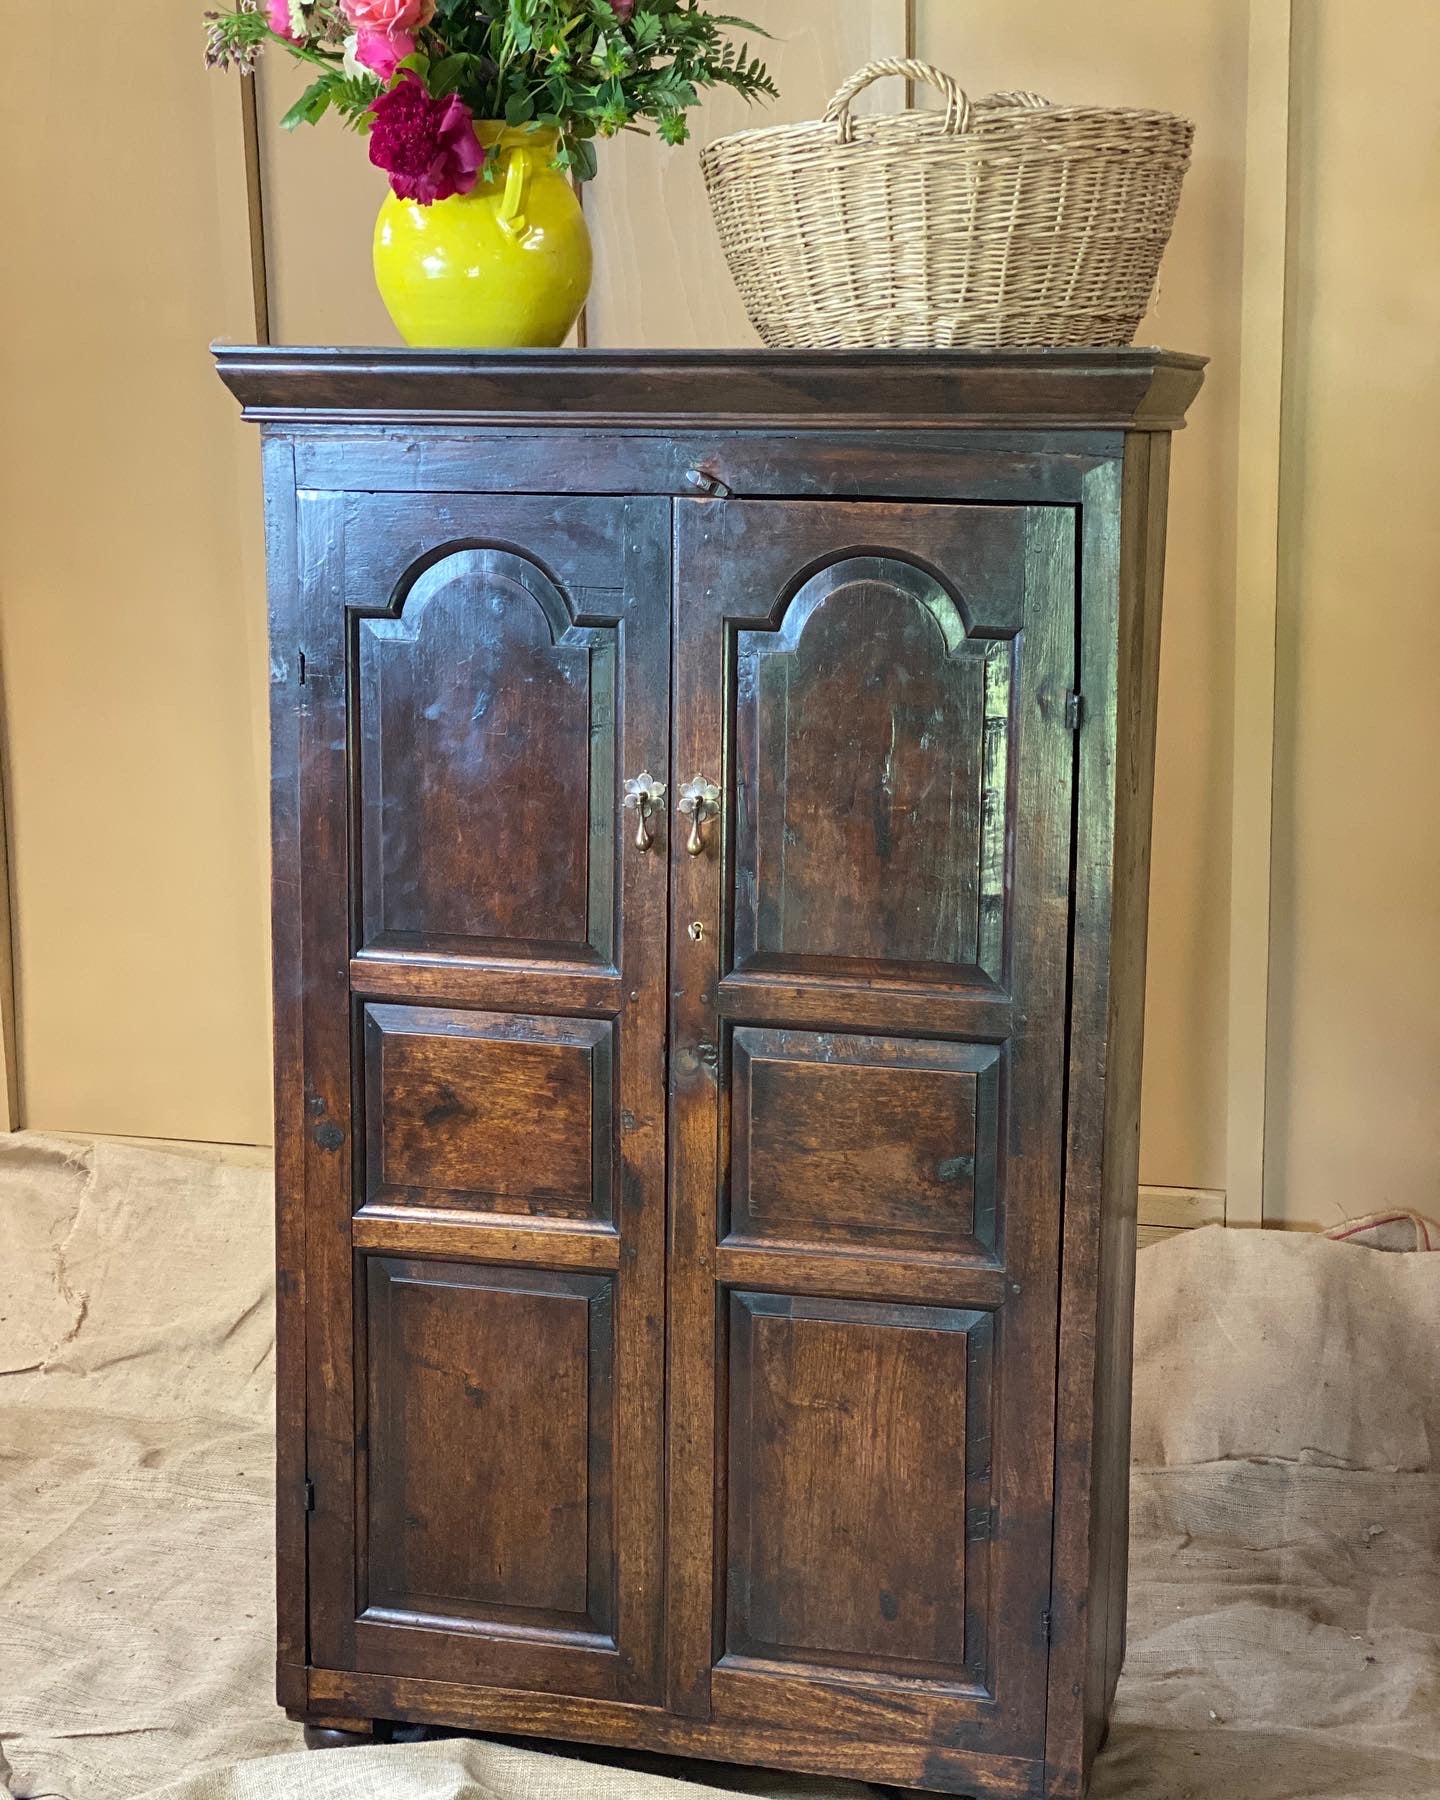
507,264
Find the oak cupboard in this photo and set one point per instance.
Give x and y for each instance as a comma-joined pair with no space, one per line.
711,832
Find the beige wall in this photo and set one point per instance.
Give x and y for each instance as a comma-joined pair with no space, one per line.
133,668
660,278
129,638
1354,1065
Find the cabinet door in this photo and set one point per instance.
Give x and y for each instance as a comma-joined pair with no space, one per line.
484,958
867,1030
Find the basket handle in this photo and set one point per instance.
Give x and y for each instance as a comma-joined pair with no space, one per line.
957,103
1016,97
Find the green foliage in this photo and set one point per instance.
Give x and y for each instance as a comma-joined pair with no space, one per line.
572,65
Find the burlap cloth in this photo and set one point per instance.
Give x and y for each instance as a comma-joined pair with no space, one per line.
1285,1586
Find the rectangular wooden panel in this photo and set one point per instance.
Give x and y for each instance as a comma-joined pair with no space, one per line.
500,1112
865,1141
489,1471
858,1446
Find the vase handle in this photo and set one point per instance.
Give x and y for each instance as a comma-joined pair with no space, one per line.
511,215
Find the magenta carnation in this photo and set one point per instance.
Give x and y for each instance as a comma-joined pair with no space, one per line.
427,147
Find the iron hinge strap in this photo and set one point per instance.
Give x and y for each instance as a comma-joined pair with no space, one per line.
308,1489
1074,709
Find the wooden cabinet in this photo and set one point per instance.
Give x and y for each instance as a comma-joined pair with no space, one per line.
711,801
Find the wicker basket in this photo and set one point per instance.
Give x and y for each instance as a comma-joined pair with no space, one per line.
1006,221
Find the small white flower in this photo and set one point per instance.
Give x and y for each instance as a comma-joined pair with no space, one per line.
353,68
299,24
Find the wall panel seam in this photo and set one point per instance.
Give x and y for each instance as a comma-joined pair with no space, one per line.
1266,263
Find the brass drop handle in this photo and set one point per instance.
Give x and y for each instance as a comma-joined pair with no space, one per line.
700,799
647,796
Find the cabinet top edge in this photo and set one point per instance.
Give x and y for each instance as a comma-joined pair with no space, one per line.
1133,388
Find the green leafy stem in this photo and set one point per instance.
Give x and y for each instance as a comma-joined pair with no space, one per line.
577,67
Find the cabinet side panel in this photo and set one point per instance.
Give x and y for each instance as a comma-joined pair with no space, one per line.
1135,790
290,1530
1121,561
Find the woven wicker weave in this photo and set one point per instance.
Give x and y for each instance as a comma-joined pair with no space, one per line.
1006,221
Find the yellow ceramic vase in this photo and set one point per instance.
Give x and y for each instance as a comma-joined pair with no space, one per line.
507,264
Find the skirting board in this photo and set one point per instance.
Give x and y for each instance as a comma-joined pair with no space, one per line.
1166,1210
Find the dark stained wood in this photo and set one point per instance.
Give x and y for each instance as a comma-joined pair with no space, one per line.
340,1733
907,1274
1144,389
540,988
870,1572
833,1730
972,1010
856,1366
1046,465
861,724
457,1530
863,1141
988,601
542,1244
1123,561
287,988
486,716
494,1111
608,569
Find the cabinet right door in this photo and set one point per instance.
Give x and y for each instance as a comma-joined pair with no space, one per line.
870,919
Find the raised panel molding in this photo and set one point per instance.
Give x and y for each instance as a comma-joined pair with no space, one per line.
481,662
457,1532
872,730
861,1142
885,1570
499,1112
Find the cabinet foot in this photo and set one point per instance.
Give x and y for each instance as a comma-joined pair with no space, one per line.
336,1733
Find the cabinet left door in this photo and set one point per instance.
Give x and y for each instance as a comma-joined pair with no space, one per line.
480,944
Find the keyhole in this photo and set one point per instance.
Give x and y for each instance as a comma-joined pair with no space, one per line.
697,931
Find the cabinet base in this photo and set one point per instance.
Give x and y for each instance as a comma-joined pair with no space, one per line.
337,1732
396,1703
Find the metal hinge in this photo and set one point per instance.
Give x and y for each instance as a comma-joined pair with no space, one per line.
302,668
1074,709
1045,1625
308,1489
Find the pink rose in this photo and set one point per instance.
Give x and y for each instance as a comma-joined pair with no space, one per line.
385,31
278,19
427,147
381,53
622,9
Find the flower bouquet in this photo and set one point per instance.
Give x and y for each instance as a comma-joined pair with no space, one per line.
482,113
